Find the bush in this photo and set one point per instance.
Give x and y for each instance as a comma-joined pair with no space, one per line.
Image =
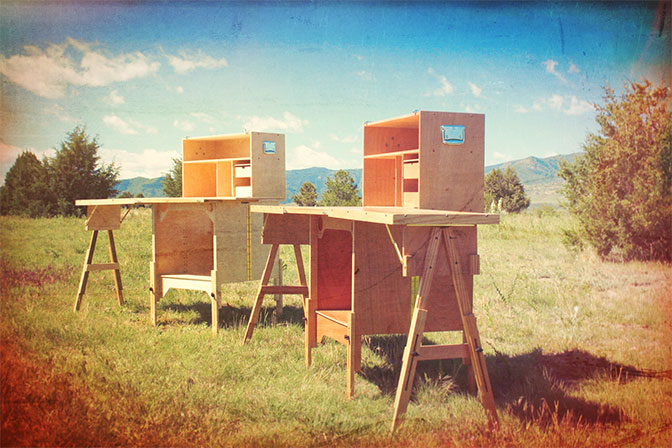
621,187
504,192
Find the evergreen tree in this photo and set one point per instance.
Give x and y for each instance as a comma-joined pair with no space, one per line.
504,190
621,187
172,183
75,172
307,195
26,190
341,191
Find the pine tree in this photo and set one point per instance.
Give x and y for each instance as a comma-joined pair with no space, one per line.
75,172
172,183
505,191
341,191
307,195
620,189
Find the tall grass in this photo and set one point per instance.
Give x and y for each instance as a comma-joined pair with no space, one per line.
578,351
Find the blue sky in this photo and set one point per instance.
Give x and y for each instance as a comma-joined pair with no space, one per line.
143,75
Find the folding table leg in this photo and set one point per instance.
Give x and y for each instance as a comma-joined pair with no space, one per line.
85,270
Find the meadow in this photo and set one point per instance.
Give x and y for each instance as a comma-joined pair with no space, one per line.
578,352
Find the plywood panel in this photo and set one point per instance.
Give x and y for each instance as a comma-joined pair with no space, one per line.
199,179
286,229
334,269
379,140
378,182
183,239
224,179
382,302
259,250
216,147
230,226
451,176
103,217
268,169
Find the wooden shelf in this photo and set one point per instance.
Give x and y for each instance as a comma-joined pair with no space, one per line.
392,154
225,159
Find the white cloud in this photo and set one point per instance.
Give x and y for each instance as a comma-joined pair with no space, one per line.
573,68
349,139
578,107
521,109
366,76
184,125
305,157
49,72
288,123
537,107
114,98
475,90
202,116
128,127
550,65
446,87
179,89
188,61
59,112
555,102
149,163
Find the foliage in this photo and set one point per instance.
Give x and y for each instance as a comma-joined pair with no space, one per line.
172,183
26,190
621,187
307,195
341,191
504,191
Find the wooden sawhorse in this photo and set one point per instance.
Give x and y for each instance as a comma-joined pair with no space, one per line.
102,218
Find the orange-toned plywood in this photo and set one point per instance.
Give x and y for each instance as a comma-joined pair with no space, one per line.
332,324
334,269
286,229
268,168
199,179
259,251
224,178
382,302
216,147
451,176
378,182
183,239
380,140
103,217
231,245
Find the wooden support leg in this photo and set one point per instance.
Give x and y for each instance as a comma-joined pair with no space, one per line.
259,299
471,332
354,362
85,270
117,272
415,332
471,380
310,332
278,282
154,291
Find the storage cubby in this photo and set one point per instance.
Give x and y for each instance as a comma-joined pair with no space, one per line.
250,165
427,160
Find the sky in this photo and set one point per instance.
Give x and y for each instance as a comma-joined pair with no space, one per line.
141,76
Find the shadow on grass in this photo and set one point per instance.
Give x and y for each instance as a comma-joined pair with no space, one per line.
535,387
231,316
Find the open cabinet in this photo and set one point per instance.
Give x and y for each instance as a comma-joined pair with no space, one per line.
250,165
426,160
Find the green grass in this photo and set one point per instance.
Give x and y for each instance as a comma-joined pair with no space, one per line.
578,352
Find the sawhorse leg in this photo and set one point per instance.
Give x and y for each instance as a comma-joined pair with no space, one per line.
264,288
415,351
89,266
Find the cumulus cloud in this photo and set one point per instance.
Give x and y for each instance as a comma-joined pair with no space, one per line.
188,61
148,163
49,72
578,107
446,88
127,127
184,125
348,139
550,65
288,123
568,105
475,90
305,157
115,99
521,109
555,102
573,68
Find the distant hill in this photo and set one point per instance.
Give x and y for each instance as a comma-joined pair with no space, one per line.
150,188
539,177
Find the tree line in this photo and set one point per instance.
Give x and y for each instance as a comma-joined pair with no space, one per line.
619,188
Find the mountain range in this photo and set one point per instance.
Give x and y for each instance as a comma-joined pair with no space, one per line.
539,176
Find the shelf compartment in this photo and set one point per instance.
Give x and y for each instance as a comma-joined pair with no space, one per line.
393,154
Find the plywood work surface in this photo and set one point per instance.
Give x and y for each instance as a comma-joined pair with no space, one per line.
385,215
150,201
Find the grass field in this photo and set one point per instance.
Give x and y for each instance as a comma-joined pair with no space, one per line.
578,351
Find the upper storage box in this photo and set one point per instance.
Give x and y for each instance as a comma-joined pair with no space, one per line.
250,165
428,160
